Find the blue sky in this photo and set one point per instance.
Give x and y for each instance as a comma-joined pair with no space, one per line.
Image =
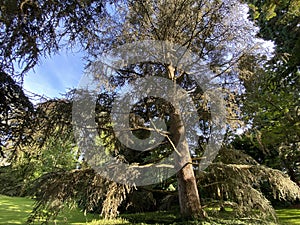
54,76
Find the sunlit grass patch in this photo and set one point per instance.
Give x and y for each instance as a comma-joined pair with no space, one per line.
15,210
119,221
289,216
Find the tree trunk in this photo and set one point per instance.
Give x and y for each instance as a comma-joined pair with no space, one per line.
189,200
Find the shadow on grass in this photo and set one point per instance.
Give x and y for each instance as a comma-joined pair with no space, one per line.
153,218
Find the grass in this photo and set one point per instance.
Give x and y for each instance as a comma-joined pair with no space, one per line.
289,216
160,218
14,210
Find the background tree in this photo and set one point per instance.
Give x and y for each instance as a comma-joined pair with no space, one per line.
272,98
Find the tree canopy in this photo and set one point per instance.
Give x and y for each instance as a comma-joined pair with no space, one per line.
273,92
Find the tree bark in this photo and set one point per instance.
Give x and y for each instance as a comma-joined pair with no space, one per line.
189,199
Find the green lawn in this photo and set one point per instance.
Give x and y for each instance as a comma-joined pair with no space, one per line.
15,211
289,216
